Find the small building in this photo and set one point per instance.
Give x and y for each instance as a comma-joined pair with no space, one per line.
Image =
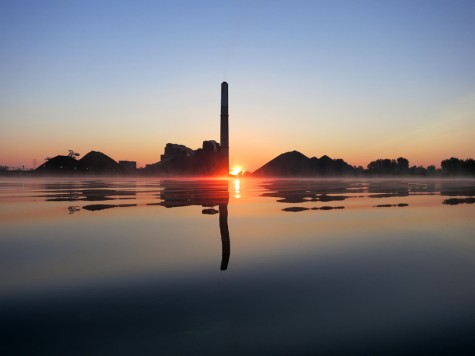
128,166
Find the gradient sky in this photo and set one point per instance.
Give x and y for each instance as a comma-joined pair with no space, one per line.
357,80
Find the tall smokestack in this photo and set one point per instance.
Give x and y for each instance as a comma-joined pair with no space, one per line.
225,127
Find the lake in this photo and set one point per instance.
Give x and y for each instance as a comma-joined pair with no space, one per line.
120,266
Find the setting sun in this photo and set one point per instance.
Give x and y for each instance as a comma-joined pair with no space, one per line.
236,170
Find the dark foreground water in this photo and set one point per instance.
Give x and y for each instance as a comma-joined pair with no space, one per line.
159,267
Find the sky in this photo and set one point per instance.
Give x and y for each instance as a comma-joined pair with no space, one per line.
358,80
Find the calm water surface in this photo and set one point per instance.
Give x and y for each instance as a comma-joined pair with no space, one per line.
148,266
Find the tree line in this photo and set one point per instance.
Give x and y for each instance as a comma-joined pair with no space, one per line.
400,166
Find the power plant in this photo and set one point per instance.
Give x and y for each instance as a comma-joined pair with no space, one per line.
224,128
212,159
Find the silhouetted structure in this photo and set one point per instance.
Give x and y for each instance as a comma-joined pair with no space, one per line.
128,167
179,160
224,127
211,159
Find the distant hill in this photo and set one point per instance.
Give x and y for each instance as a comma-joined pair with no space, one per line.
287,164
98,162
59,164
93,162
294,163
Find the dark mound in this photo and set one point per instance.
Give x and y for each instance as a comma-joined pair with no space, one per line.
59,164
293,164
98,162
287,164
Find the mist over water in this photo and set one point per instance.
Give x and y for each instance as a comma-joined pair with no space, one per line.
248,266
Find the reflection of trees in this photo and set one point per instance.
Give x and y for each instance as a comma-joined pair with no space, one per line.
456,201
302,191
386,189
457,188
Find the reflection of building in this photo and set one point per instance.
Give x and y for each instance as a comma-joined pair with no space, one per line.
106,195
225,240
195,192
207,194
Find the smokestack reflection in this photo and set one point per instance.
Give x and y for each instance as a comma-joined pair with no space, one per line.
225,241
207,194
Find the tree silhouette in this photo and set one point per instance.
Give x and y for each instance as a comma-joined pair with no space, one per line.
389,166
402,165
455,166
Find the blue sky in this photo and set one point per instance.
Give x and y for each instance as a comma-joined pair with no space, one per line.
357,80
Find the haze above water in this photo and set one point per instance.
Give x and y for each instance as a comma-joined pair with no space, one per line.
153,266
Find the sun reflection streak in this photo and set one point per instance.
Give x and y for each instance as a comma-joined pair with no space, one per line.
237,188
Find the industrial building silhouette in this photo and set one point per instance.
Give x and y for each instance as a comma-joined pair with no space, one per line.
211,159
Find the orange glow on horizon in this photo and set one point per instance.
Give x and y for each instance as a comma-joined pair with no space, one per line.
236,170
